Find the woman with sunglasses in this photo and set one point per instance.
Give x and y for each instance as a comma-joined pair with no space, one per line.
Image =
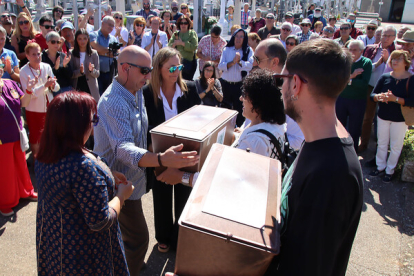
79,193
41,94
166,95
85,65
208,86
15,179
120,32
166,26
135,36
59,62
185,10
22,34
186,42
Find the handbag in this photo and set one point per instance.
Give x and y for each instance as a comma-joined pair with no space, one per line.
408,111
24,141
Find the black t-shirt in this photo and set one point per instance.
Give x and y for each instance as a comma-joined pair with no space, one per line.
322,200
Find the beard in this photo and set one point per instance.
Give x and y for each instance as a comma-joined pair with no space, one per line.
290,108
174,9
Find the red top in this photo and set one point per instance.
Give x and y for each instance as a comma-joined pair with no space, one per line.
39,39
355,32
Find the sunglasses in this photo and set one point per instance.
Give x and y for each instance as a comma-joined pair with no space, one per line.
328,31
172,69
350,20
184,23
371,28
270,18
344,28
95,120
117,17
290,43
140,25
258,60
144,70
47,27
286,30
91,18
21,23
5,15
288,17
184,8
306,25
279,78
55,42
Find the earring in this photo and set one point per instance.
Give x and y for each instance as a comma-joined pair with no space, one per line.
293,98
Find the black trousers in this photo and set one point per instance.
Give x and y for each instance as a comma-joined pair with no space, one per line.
166,228
231,98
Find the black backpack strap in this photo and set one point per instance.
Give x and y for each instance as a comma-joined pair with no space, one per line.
274,141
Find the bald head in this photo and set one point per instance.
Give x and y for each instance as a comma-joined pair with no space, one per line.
274,48
133,54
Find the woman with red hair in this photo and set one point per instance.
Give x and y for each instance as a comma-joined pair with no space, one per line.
79,197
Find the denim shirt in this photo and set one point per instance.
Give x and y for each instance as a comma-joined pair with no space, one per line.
104,62
121,134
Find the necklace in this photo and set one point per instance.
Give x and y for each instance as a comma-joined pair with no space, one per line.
40,72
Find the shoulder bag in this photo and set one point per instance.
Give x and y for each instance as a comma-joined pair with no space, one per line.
24,141
408,111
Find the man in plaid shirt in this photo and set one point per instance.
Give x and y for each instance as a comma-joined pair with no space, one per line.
305,33
245,16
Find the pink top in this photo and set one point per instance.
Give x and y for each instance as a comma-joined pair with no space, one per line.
208,49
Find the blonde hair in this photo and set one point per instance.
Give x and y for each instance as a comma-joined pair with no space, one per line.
317,24
254,36
120,14
399,53
160,59
234,28
185,5
18,33
30,46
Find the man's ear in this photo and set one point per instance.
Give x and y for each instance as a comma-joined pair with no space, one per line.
297,86
275,63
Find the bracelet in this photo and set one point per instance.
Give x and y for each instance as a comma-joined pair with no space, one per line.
159,160
396,100
29,92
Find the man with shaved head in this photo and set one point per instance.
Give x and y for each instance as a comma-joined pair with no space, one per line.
121,138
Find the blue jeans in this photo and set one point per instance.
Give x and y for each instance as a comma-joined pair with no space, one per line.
351,115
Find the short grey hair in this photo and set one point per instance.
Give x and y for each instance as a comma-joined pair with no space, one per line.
390,28
3,30
108,18
52,35
357,42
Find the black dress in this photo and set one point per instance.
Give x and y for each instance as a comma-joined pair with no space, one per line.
166,230
22,44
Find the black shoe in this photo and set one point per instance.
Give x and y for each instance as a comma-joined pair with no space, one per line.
387,178
371,163
376,172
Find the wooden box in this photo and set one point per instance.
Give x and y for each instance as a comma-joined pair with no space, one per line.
229,225
197,128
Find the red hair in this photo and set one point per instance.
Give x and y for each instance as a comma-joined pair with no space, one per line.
68,119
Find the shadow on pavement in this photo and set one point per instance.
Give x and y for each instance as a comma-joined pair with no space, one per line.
158,263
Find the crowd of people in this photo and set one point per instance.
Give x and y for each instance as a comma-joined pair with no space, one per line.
90,98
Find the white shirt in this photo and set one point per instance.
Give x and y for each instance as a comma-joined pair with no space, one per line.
90,28
124,35
295,29
366,40
82,58
146,40
233,74
41,94
171,112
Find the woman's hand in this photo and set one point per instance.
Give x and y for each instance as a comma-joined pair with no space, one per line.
31,83
51,82
118,31
119,178
210,82
7,65
131,33
171,176
82,69
57,63
381,97
91,67
125,190
390,97
66,60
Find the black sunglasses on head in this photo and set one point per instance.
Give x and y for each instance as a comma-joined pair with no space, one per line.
144,70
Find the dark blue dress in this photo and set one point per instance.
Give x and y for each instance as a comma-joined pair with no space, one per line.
77,233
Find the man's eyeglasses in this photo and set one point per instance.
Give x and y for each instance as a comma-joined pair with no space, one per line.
21,23
387,36
55,42
279,78
371,28
140,25
117,17
172,69
286,30
95,120
290,43
47,27
144,70
258,60
344,28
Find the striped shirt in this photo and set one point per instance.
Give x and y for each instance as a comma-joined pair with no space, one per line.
245,17
304,37
121,134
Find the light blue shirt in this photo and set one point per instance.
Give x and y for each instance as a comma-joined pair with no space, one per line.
121,134
233,74
104,62
146,40
14,61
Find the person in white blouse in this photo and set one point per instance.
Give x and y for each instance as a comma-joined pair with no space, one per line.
40,95
155,39
235,62
369,37
120,32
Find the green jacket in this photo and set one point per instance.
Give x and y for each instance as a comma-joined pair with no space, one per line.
359,86
191,43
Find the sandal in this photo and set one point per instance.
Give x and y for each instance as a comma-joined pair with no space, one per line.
163,248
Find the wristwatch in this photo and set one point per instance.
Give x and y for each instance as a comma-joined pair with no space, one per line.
396,100
186,179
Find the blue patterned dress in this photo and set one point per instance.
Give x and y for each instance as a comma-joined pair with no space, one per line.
77,233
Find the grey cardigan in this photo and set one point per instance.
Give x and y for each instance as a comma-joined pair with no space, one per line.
91,77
